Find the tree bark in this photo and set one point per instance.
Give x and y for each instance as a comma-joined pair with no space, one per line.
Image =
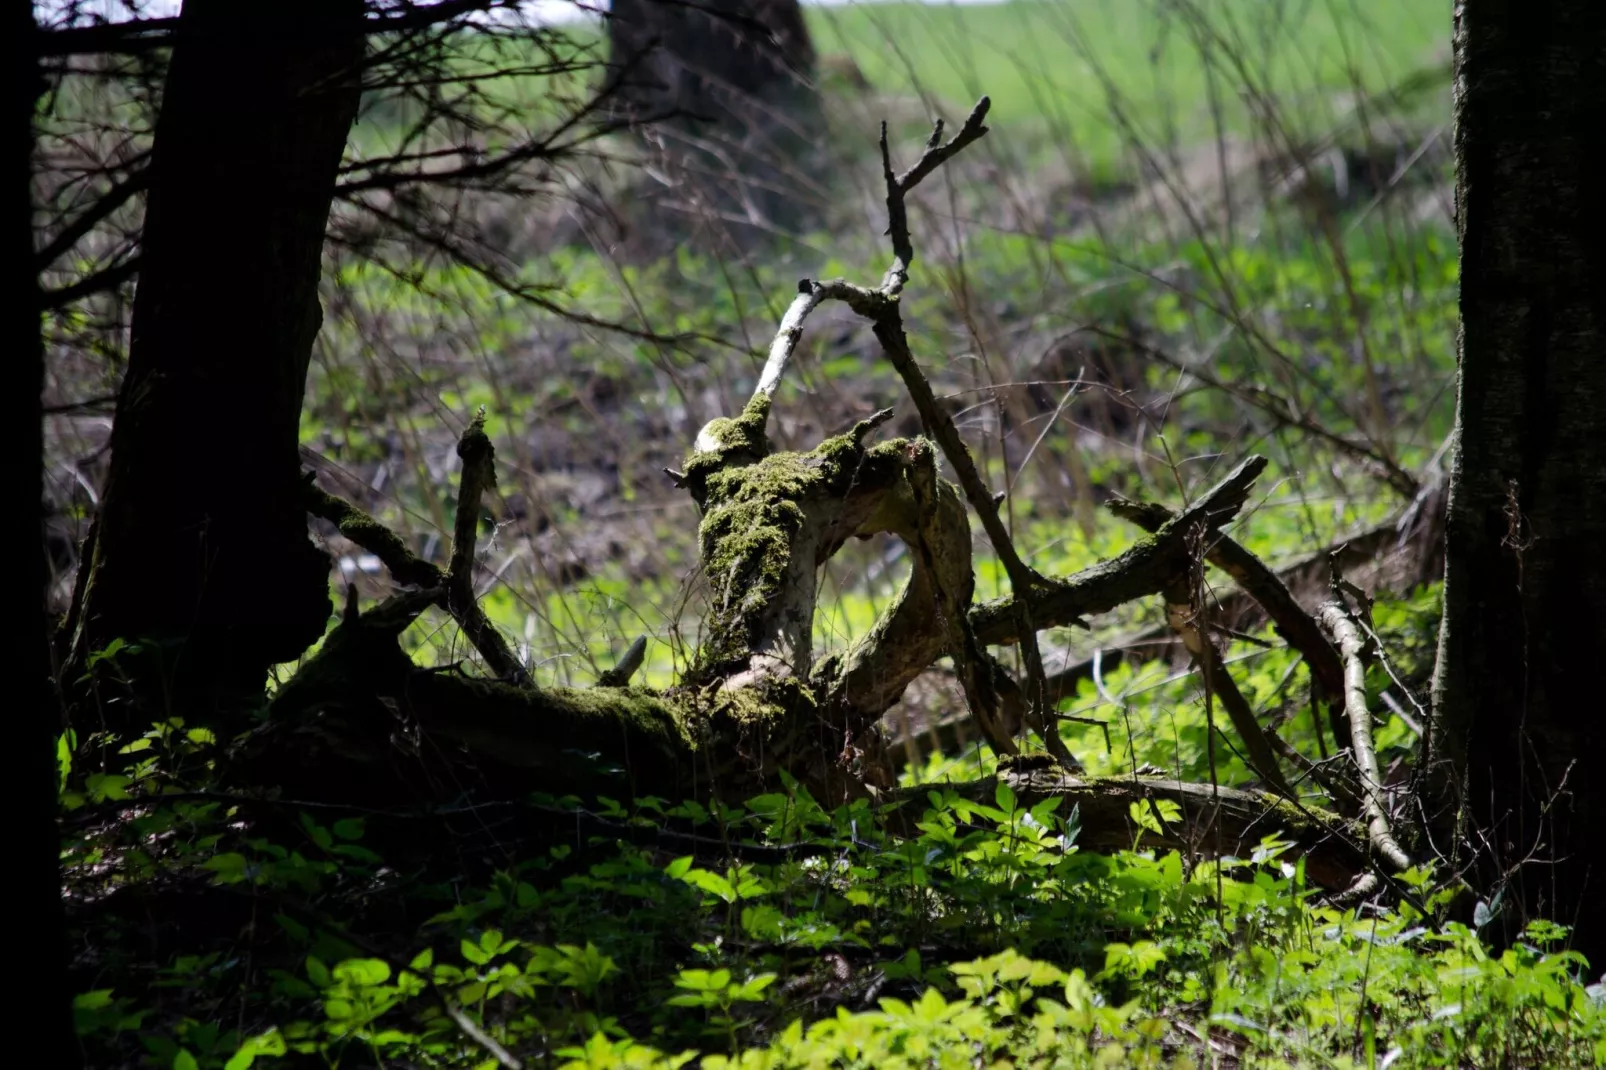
46,1000
1517,692
202,548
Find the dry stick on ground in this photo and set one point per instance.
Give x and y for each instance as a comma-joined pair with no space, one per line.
881,307
1336,619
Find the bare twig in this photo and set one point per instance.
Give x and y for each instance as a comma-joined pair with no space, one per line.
1279,409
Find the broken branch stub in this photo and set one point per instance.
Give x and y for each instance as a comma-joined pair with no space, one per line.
478,476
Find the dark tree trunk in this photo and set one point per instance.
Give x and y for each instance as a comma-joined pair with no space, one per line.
202,543
46,1000
727,86
1518,692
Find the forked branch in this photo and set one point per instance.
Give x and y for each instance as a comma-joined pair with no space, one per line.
881,307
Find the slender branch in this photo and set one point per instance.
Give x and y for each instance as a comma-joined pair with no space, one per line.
898,186
125,38
787,336
881,307
1280,409
1352,647
110,278
89,218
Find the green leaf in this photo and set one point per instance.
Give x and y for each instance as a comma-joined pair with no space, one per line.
1004,796
103,787
92,1001
363,971
183,1060
348,828
230,867
318,973
473,953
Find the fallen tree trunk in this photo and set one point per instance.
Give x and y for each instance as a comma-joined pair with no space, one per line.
361,720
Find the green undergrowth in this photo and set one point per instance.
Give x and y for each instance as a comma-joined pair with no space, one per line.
1302,357
771,935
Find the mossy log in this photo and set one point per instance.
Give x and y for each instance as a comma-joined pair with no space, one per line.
755,702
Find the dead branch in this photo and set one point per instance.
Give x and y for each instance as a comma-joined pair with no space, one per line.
1236,604
620,674
881,307
405,567
453,590
1336,619
1261,583
1293,623
1143,570
928,515
787,336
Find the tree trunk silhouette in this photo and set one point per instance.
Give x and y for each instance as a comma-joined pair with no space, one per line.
202,547
726,90
1517,693
46,1000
